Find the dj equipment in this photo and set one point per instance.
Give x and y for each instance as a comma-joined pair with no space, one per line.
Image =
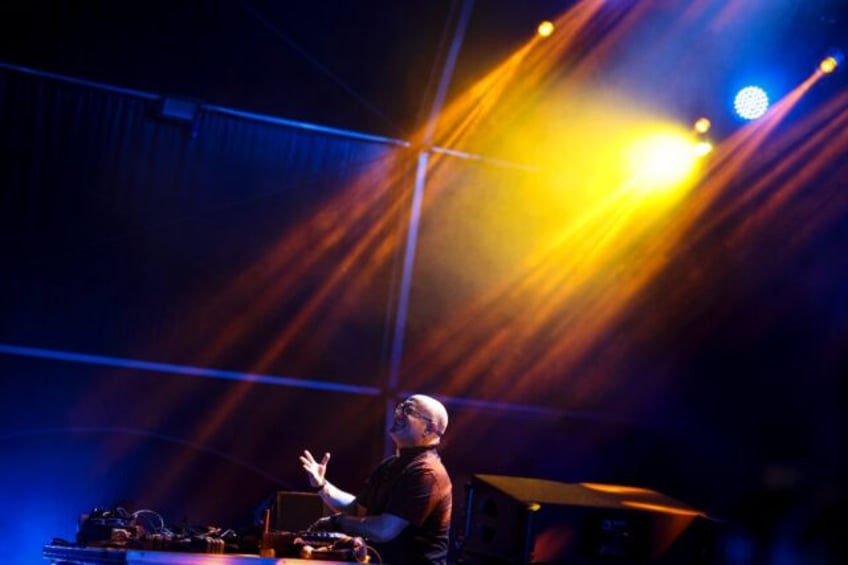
145,529
308,544
108,530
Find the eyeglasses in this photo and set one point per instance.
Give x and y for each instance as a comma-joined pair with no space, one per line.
407,409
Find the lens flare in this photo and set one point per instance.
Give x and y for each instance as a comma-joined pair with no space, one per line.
702,148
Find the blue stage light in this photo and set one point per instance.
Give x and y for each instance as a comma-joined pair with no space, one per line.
751,102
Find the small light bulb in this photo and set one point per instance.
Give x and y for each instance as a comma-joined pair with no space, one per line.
545,28
828,65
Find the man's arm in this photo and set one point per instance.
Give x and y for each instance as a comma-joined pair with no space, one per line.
338,500
379,528
351,518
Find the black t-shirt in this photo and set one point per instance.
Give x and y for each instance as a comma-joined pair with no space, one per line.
415,486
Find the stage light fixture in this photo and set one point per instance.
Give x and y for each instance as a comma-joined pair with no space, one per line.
661,161
181,110
831,62
751,102
702,125
545,28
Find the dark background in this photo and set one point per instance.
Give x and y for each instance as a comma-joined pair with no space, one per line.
254,267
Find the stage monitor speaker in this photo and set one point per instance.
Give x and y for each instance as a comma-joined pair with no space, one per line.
295,511
517,521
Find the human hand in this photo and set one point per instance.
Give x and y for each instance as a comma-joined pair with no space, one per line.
314,470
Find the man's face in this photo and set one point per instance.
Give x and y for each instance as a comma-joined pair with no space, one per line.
411,425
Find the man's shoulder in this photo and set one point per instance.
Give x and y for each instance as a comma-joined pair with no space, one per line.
428,463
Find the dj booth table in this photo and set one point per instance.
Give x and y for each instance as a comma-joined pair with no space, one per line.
63,555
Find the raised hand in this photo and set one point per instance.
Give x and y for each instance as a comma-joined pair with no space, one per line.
314,470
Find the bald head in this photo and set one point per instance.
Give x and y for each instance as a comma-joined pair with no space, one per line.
431,409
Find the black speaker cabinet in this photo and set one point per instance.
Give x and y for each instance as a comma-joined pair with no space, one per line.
517,521
295,511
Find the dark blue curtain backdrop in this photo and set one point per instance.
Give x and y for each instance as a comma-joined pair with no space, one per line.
122,230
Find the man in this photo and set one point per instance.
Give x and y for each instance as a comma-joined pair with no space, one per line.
404,509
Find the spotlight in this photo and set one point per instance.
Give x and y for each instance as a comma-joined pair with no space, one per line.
661,160
751,102
829,63
702,125
545,28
